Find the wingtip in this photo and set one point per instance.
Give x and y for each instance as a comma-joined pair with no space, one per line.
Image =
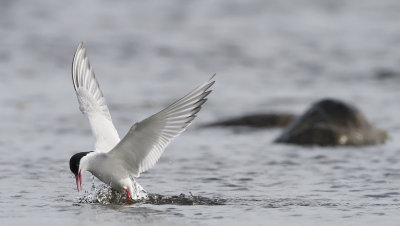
80,46
212,77
79,49
211,81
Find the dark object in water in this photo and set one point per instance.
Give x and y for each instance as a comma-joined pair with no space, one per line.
332,122
258,120
383,74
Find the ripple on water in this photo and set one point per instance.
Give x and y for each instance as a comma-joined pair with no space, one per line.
384,195
183,199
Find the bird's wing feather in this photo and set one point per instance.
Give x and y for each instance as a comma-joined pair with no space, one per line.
141,148
92,102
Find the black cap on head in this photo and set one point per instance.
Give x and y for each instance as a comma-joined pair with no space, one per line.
75,161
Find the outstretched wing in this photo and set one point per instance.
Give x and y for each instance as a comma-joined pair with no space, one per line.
92,102
141,148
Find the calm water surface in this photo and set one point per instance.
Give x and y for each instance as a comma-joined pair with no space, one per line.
269,56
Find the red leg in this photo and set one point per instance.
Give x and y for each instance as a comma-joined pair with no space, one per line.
128,195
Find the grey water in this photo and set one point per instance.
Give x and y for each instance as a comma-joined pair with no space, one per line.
269,56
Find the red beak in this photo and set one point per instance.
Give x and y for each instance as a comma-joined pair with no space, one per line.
78,180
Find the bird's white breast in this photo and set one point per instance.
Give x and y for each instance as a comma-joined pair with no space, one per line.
106,170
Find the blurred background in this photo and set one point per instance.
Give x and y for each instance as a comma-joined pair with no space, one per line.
269,56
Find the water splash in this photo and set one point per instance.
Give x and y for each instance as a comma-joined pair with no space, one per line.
104,194
138,191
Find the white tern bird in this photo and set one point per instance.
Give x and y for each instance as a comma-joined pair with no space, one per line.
115,161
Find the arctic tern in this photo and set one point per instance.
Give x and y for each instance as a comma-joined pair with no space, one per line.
114,161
